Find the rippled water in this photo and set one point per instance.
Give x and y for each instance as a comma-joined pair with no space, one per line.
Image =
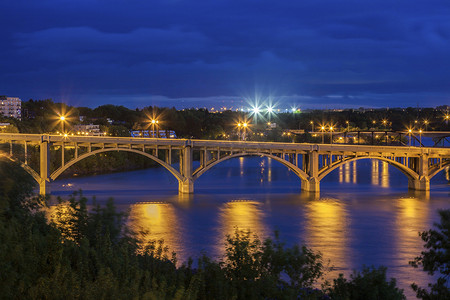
363,215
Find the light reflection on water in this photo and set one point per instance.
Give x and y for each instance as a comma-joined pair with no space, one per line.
364,214
326,222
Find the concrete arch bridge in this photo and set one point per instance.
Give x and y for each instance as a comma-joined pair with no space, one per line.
310,162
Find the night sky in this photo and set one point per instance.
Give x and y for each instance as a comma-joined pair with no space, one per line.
309,53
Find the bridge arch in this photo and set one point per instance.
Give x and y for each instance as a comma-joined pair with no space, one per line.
405,170
26,167
435,172
172,170
300,173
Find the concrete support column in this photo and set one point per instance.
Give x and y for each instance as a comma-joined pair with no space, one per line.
186,184
423,182
44,167
313,182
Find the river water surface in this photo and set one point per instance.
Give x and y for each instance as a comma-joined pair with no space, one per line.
363,215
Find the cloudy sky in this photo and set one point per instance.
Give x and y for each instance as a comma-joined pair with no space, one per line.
309,53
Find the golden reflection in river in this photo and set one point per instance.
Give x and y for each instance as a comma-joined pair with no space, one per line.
341,174
375,172
447,173
241,166
269,169
157,221
384,174
327,230
347,172
243,215
354,172
411,217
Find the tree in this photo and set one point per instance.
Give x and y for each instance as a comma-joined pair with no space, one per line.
368,284
436,259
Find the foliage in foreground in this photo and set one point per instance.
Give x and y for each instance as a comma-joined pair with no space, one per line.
90,254
436,259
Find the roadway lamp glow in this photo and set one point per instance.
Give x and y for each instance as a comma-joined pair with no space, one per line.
62,118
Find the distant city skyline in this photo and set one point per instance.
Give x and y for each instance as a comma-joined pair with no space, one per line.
308,54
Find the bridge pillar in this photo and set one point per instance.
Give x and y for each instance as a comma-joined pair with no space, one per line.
421,167
186,184
44,167
421,184
313,182
311,185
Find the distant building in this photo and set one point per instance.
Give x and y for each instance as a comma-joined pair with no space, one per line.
164,134
91,129
11,107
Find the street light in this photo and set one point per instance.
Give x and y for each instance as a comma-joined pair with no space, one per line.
312,125
331,134
426,122
322,129
410,133
244,125
62,119
239,130
420,138
154,123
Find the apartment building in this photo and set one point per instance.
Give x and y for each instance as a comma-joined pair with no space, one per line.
11,107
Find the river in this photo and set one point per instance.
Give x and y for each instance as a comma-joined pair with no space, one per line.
363,215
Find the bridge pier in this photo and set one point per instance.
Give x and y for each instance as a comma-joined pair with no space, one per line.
311,185
311,161
186,184
421,184
44,167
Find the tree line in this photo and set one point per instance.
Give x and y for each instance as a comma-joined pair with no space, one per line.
41,116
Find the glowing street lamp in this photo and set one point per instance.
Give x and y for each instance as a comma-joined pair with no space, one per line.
239,125
154,123
426,122
63,120
322,129
244,125
420,138
312,125
331,134
410,133
270,110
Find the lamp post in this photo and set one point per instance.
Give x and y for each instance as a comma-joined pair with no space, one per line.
154,124
244,125
420,138
322,129
239,130
426,122
312,125
62,119
410,133
331,134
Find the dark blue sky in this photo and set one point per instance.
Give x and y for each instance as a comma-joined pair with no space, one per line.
311,53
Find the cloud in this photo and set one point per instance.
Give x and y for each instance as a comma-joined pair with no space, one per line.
197,49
